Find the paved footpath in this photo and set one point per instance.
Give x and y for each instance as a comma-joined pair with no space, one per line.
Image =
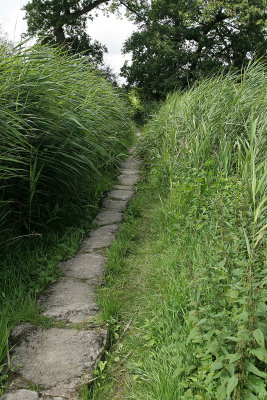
59,360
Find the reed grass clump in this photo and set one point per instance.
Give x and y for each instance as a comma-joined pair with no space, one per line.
63,131
207,149
63,127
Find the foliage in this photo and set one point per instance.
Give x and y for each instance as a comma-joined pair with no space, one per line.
62,128
179,42
142,110
188,278
5,44
209,145
64,23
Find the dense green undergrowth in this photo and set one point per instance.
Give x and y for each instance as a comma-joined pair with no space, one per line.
210,145
190,288
142,109
64,130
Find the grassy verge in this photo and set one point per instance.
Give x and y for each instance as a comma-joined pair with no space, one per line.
185,293
32,265
168,284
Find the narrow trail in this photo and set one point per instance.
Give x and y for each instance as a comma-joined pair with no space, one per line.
59,360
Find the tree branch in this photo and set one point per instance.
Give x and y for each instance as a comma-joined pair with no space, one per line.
204,29
91,6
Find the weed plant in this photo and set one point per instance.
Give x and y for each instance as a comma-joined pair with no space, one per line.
142,110
192,280
208,148
64,130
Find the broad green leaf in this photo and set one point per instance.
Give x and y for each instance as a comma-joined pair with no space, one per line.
233,357
263,281
216,365
222,263
243,316
257,384
231,369
259,337
261,307
260,353
233,294
195,334
233,381
251,368
250,396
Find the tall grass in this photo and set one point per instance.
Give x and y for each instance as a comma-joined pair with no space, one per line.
62,128
208,148
63,131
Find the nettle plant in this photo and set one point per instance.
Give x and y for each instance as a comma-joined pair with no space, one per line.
212,144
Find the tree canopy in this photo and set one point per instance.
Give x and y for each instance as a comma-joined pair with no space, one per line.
64,22
5,44
179,41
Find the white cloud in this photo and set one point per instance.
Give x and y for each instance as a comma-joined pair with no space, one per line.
112,32
11,18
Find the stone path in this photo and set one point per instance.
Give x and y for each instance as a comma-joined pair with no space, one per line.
58,361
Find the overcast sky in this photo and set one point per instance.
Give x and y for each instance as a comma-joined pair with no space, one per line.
110,31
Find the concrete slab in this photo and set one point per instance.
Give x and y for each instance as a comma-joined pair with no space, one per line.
21,394
132,171
132,150
121,187
18,332
58,359
121,194
100,238
130,162
107,217
128,180
69,300
85,266
117,205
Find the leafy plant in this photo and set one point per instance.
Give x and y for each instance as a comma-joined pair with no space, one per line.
209,146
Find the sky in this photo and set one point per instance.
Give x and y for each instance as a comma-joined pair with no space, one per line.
110,31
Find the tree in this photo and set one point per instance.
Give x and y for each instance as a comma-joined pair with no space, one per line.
180,41
6,47
63,22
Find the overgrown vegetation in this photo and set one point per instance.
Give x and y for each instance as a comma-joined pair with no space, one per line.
64,130
142,110
194,286
179,42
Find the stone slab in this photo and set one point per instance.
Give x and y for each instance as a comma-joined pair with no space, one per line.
117,205
69,300
57,360
21,394
121,194
85,266
99,238
128,180
121,187
132,171
18,332
130,162
132,150
108,217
